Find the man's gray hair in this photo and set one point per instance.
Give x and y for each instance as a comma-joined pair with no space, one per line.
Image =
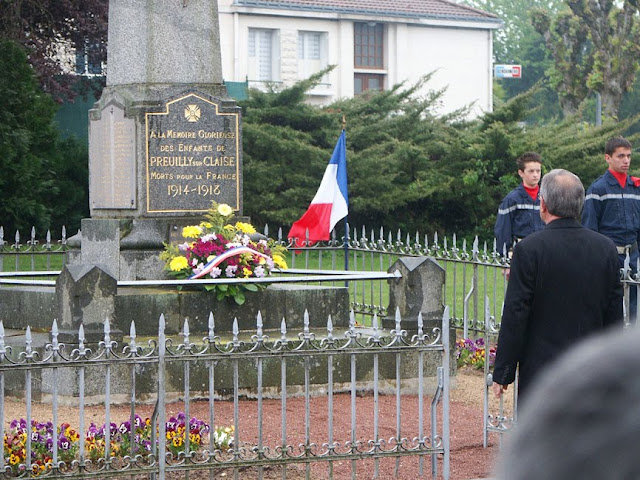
563,193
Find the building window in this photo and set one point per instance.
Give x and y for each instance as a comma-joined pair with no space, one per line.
369,45
312,53
367,81
88,59
264,55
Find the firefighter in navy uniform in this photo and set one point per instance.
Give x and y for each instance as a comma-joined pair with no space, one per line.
519,212
612,207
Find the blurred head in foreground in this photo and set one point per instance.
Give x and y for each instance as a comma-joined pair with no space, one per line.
582,418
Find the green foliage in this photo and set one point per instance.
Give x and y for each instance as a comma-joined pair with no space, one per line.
595,47
407,168
43,179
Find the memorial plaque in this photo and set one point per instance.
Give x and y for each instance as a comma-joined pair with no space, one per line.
112,155
192,156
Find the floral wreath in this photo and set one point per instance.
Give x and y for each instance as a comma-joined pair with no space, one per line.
221,249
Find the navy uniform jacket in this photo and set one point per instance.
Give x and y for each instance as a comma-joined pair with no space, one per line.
564,285
614,211
518,216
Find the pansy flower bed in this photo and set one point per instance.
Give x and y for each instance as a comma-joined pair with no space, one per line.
125,440
472,353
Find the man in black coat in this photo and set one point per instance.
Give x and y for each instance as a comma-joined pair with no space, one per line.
564,285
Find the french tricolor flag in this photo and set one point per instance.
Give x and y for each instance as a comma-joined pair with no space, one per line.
331,202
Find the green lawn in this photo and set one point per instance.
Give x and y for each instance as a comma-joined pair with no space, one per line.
25,261
487,281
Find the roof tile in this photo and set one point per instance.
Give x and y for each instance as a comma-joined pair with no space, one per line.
443,9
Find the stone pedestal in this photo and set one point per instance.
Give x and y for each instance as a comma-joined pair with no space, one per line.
86,295
419,290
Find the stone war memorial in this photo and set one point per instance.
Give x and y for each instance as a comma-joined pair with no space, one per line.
165,140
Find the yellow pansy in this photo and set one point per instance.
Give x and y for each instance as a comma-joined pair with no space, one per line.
178,263
246,272
191,231
224,210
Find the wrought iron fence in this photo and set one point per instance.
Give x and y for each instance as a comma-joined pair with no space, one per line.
474,288
338,441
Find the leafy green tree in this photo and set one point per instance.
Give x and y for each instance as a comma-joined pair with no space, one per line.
408,168
595,45
37,168
519,43
41,26
510,40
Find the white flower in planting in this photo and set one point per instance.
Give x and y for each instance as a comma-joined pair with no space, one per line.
209,237
215,273
183,247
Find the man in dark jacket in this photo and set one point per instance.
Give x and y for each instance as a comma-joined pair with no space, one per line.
565,285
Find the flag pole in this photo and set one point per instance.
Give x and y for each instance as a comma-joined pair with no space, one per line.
346,218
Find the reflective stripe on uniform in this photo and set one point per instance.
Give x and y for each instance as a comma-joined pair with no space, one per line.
518,206
612,196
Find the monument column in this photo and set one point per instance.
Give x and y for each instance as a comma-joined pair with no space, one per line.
165,141
164,138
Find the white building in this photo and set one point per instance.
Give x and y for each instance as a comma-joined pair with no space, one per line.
374,44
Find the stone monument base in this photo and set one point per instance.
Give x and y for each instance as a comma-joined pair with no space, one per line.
38,306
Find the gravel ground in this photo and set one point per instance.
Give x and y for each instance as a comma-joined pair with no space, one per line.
469,460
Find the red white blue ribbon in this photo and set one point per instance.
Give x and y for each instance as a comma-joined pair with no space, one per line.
213,263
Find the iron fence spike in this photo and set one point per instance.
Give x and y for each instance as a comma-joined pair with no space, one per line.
212,326
259,323
81,336
186,327
28,338
235,329
132,330
306,321
54,331
161,324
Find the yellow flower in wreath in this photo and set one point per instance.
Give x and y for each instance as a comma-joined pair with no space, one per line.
191,231
245,227
178,263
279,261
